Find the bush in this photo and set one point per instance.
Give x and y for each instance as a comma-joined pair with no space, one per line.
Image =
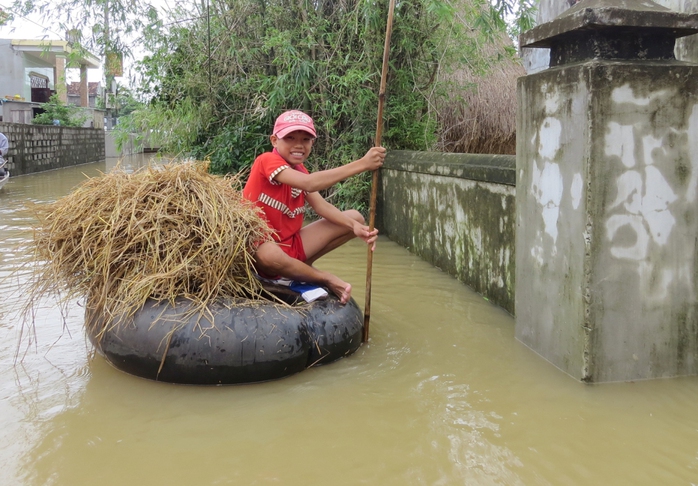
217,81
66,115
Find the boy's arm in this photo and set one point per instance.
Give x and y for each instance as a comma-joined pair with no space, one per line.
331,213
318,181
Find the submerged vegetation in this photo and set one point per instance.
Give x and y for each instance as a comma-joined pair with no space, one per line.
160,233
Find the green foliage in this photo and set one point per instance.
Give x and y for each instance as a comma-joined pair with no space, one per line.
176,128
5,17
233,148
97,26
353,193
522,12
124,101
219,76
220,71
67,115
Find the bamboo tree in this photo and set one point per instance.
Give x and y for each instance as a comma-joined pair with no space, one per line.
5,17
216,95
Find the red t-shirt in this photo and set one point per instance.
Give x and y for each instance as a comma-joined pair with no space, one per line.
282,204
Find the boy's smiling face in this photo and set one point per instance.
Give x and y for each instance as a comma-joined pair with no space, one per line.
295,147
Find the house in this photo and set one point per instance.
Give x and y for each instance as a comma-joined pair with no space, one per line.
32,70
94,91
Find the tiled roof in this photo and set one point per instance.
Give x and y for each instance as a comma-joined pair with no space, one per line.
74,88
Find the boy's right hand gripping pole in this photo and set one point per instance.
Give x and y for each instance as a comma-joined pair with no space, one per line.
374,183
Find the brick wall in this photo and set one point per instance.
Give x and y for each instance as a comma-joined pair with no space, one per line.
36,148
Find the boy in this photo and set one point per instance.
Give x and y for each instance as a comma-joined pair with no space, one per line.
281,185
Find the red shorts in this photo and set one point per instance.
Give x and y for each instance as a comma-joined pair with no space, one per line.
293,247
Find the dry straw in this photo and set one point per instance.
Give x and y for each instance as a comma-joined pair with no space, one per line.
479,116
484,120
162,232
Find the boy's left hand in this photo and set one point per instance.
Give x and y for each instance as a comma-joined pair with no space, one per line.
369,237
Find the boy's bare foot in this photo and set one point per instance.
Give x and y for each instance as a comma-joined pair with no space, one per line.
340,288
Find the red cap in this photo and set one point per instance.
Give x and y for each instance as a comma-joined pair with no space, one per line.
291,121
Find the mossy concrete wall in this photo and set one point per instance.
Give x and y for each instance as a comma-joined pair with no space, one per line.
36,148
607,218
457,212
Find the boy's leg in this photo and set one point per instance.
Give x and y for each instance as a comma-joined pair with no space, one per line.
321,237
271,260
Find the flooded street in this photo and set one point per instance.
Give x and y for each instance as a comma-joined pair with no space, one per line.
441,395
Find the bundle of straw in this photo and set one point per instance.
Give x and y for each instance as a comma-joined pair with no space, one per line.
162,232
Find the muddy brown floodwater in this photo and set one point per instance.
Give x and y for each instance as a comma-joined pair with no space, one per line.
441,395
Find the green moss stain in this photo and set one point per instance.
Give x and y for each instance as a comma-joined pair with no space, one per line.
462,226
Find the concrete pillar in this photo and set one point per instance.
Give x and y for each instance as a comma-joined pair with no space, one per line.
607,194
60,80
84,94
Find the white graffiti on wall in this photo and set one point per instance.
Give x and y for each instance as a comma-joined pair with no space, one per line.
620,142
546,182
692,190
625,94
576,190
647,211
643,204
547,189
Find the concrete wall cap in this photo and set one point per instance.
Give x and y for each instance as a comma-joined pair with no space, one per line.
610,14
497,169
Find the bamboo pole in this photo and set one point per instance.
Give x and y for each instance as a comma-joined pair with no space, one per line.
374,183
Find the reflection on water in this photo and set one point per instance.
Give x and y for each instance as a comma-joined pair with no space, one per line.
442,395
